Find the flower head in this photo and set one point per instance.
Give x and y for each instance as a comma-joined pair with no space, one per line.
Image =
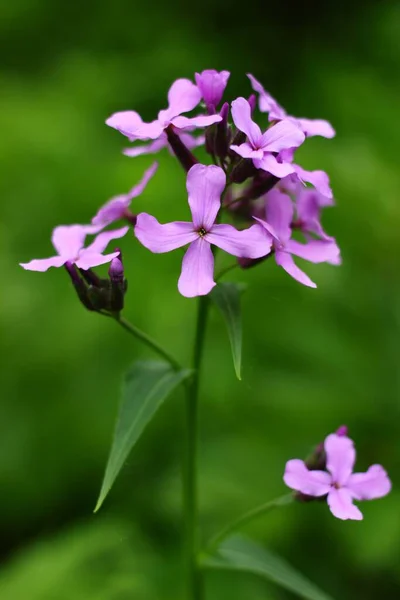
263,147
117,207
339,484
212,85
279,216
268,104
69,240
205,185
183,96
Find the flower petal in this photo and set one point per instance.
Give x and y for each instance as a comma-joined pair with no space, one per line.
126,122
191,141
279,214
101,241
69,239
248,243
319,179
163,238
313,127
150,148
270,164
205,185
282,136
340,457
298,477
183,96
197,276
315,251
375,483
241,115
42,264
341,505
212,85
285,260
200,121
247,151
88,260
266,102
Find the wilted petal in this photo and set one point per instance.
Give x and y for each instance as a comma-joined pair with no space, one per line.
69,239
341,505
150,148
163,238
200,121
285,260
281,136
42,264
248,243
319,179
247,151
241,115
313,127
279,214
299,478
101,241
270,164
340,457
197,276
88,260
212,85
205,185
183,96
315,251
375,483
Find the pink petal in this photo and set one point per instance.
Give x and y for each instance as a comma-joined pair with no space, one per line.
191,141
183,96
197,276
269,230
270,164
205,185
241,115
42,264
341,505
285,260
319,179
340,457
212,85
149,131
126,122
266,101
298,477
150,148
247,151
248,243
88,260
313,127
69,239
101,241
279,214
139,187
375,483
200,121
315,251
281,136
163,238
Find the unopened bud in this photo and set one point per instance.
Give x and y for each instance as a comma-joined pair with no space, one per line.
118,283
242,171
182,153
252,100
79,285
248,263
116,270
342,431
261,184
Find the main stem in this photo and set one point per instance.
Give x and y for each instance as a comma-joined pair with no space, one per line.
194,574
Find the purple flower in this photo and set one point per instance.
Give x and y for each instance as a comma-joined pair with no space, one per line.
68,240
268,104
205,185
212,85
319,179
183,96
117,207
261,147
309,204
189,140
340,484
279,216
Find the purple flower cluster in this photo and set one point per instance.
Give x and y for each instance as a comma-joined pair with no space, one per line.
254,182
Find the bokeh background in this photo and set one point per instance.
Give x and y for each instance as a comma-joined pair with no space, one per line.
313,359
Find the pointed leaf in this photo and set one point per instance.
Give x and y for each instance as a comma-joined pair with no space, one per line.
239,554
227,298
147,384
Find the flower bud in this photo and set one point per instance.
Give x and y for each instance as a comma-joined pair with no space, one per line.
118,283
252,100
79,285
218,136
182,153
242,171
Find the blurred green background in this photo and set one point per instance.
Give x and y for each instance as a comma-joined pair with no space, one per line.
313,359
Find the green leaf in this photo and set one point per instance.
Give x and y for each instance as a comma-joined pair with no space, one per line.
147,384
239,554
227,298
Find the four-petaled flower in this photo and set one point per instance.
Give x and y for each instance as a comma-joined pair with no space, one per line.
279,216
339,484
69,240
275,112
262,147
183,96
205,185
117,207
212,85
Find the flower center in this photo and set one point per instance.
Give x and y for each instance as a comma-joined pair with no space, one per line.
202,232
336,486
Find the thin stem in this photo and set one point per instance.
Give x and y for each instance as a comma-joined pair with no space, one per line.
146,339
195,576
253,514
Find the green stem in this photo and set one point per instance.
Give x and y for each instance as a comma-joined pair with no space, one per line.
146,339
247,518
194,574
